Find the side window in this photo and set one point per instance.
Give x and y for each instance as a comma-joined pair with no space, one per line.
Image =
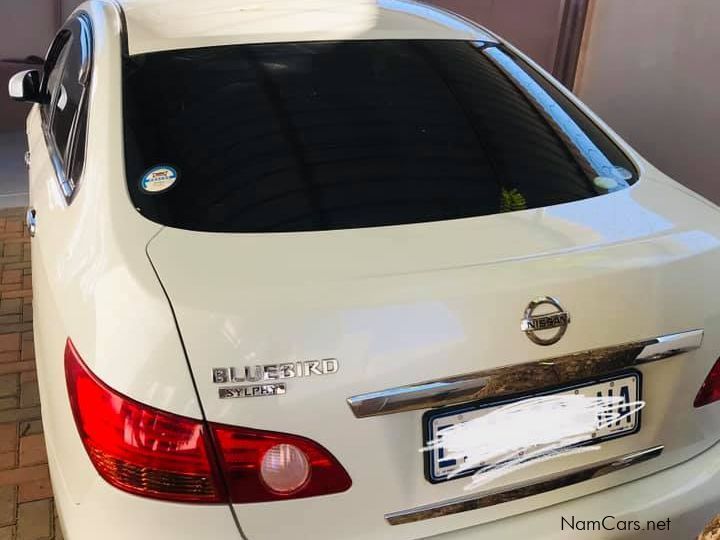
66,102
64,115
53,71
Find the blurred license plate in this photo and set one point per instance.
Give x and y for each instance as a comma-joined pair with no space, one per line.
627,386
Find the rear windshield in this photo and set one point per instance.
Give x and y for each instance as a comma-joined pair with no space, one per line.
339,135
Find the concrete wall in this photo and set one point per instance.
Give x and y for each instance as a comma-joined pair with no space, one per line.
531,25
28,26
650,69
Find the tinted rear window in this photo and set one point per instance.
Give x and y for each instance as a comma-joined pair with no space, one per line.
337,135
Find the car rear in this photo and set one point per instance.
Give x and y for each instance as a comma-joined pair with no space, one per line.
391,327
394,206
356,238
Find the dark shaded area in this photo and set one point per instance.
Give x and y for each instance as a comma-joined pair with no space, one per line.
335,135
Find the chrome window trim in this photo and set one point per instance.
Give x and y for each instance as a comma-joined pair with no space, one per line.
590,159
552,80
46,106
86,49
522,490
526,377
65,182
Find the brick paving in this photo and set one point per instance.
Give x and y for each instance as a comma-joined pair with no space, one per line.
711,531
26,505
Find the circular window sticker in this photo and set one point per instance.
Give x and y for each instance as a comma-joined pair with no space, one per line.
158,179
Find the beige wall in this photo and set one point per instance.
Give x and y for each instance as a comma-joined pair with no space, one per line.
650,68
28,26
531,25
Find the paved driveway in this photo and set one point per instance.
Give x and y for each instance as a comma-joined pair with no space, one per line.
13,174
26,508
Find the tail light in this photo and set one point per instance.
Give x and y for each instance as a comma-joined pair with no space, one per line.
153,453
138,448
265,466
710,390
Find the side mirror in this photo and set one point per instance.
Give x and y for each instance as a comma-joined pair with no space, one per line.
25,86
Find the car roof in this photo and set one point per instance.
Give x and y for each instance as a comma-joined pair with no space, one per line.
156,25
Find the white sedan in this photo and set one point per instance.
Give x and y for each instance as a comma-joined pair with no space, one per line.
357,270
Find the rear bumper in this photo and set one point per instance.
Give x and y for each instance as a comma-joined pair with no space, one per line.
687,494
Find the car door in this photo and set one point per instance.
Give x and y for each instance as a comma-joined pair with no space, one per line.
56,139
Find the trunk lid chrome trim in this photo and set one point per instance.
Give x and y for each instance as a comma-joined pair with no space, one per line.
522,489
518,378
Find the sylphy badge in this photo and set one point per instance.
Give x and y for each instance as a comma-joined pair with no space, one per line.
267,375
257,390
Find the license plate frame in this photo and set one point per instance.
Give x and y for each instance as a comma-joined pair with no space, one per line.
430,416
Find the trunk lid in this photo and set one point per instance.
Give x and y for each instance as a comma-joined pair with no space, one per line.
406,304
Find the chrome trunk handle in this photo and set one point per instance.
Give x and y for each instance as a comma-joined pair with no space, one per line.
525,377
523,489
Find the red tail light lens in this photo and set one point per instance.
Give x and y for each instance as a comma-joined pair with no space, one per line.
710,390
138,448
153,453
257,470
